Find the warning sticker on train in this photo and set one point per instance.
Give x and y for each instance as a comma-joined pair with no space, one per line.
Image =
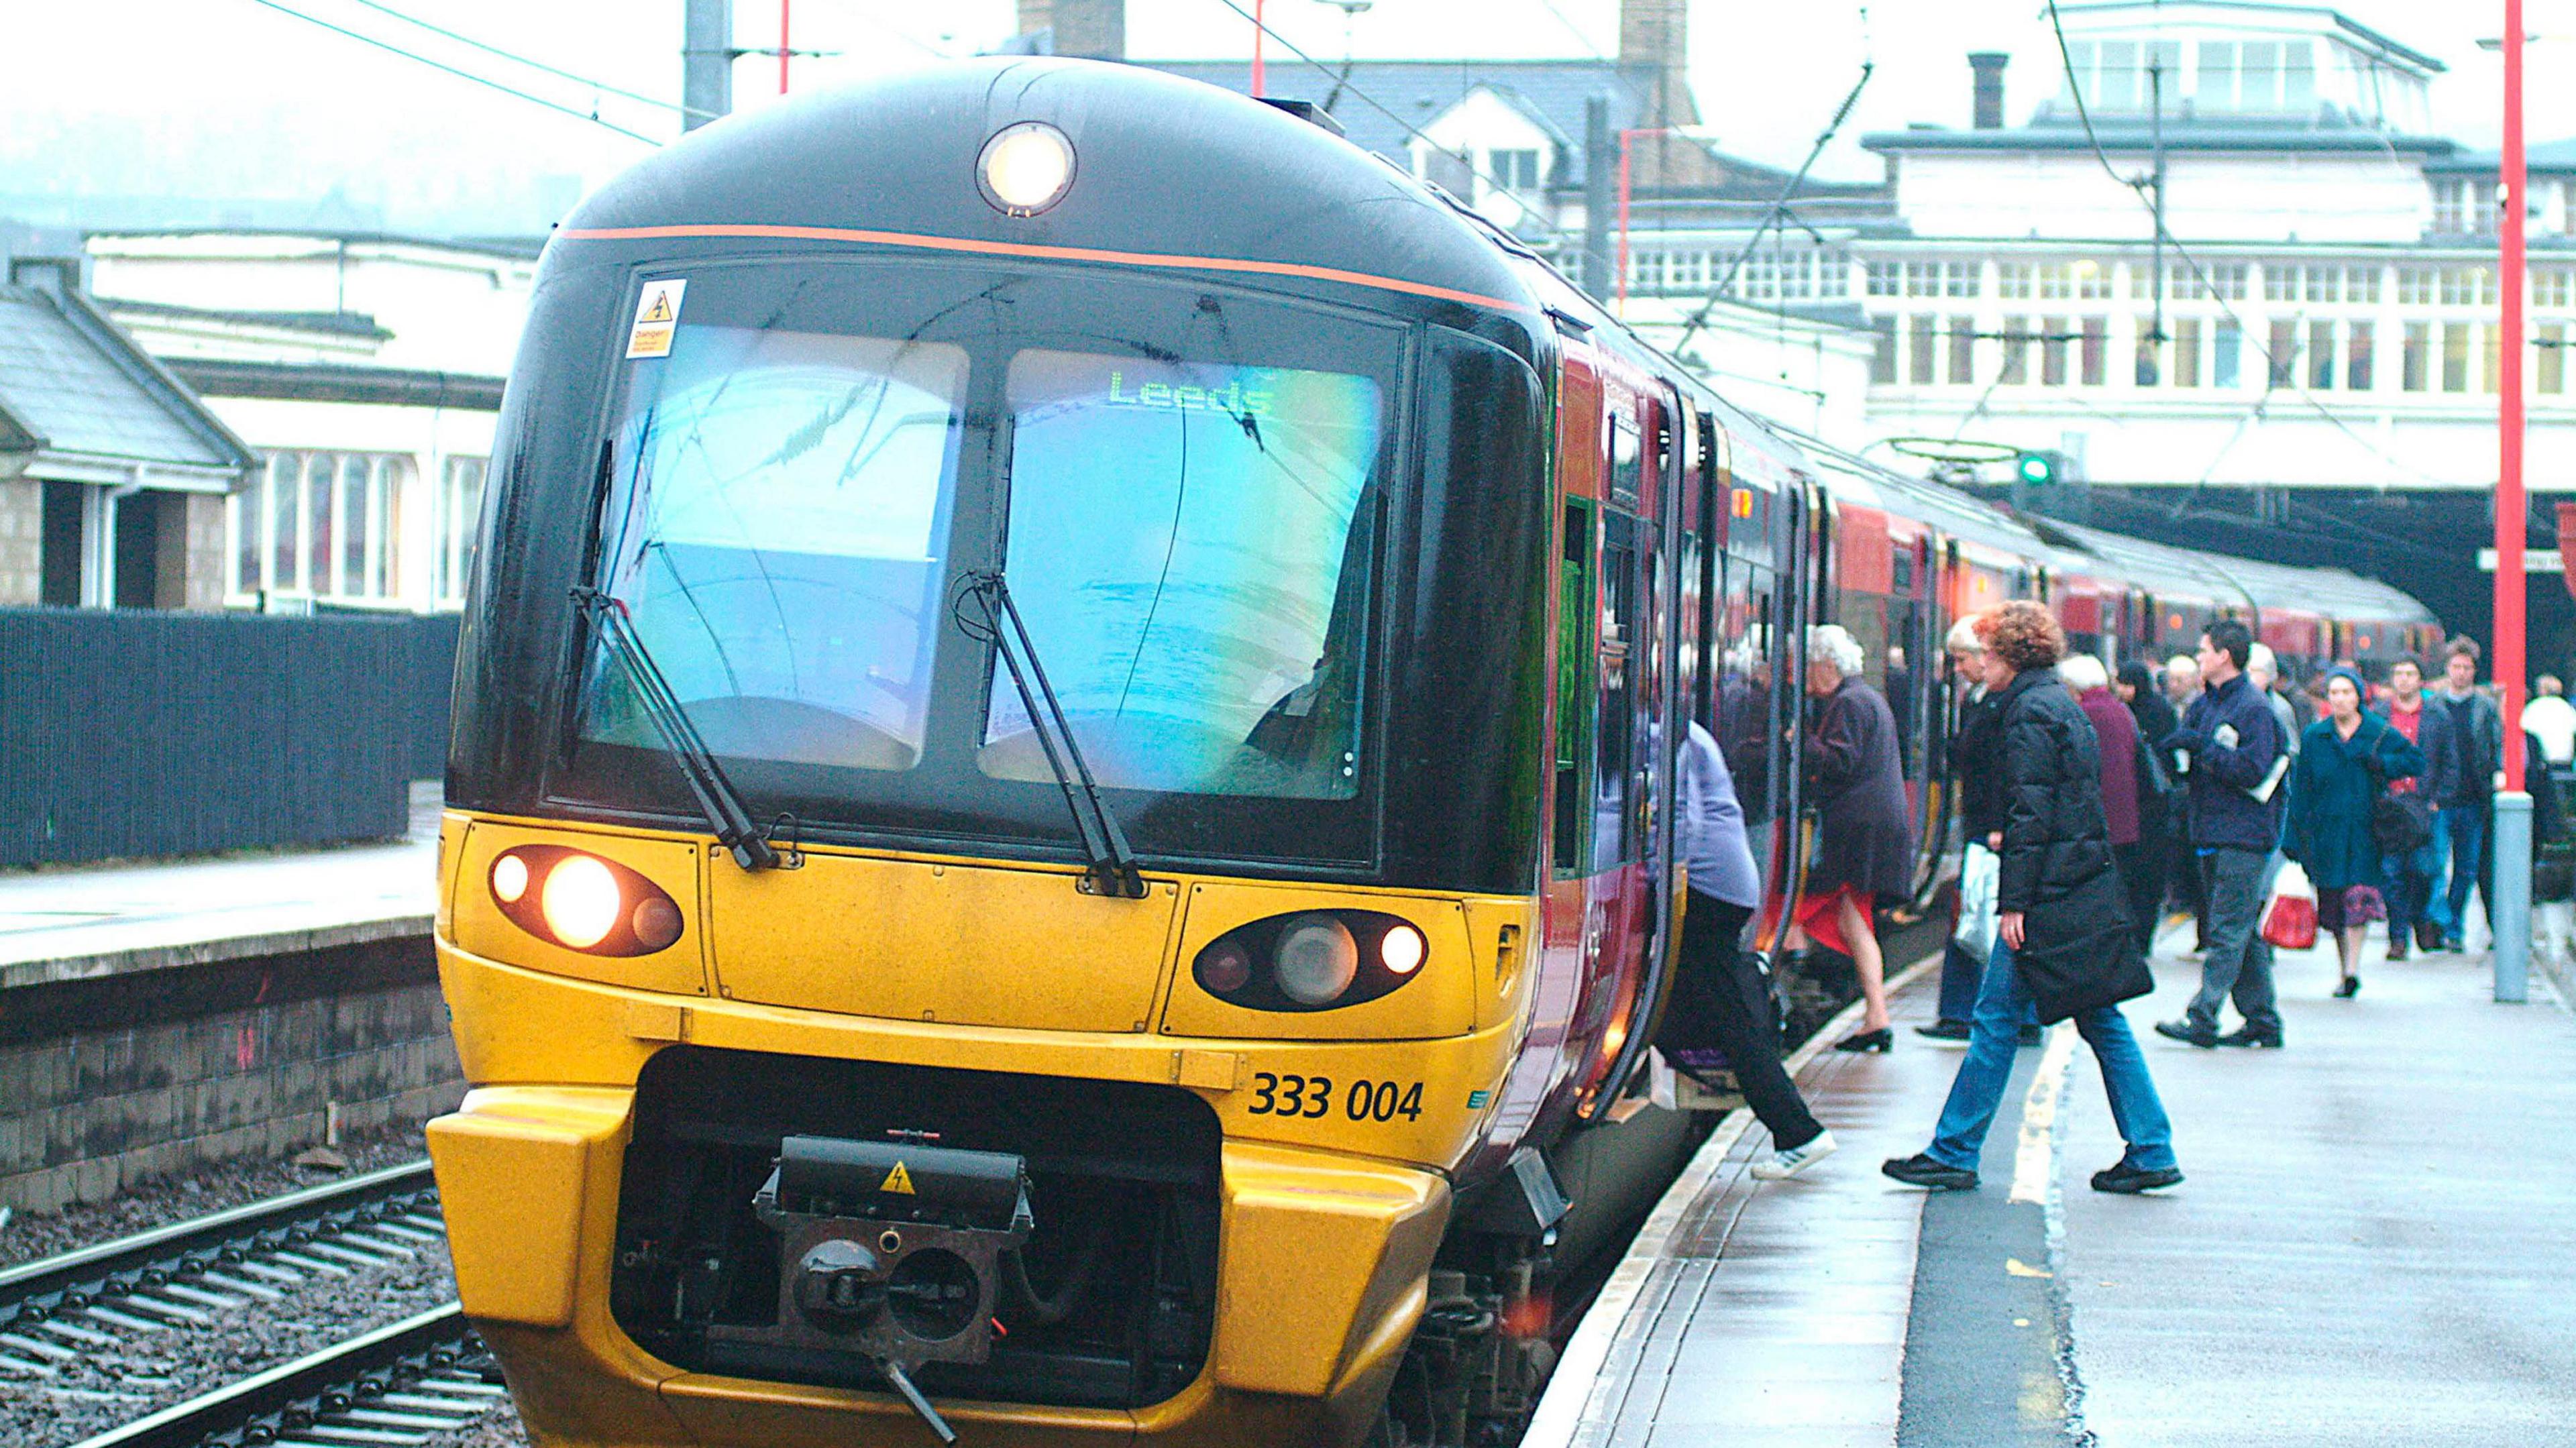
899,1180
657,316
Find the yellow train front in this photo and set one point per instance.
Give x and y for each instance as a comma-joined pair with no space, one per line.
997,870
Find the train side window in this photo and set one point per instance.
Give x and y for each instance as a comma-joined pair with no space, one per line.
1618,805
1627,461
1576,608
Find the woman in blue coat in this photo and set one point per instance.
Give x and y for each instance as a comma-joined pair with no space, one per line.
2345,762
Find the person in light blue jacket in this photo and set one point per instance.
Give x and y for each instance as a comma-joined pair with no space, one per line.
1720,1013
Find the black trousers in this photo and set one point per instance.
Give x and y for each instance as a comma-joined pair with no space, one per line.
1719,1001
2142,873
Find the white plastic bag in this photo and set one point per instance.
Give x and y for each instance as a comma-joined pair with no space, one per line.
1980,875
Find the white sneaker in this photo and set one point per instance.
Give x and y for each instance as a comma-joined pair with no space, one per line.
1793,1160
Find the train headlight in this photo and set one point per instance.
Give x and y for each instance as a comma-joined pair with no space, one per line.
581,902
585,903
1314,960
1025,168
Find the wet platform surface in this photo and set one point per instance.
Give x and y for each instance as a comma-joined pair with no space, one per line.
113,919
2376,1244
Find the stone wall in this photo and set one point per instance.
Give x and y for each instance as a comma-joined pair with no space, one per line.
190,570
90,1109
22,541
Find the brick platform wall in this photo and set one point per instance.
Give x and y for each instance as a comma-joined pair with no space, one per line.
88,1112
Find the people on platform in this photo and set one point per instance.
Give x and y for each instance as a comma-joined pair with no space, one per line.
2263,670
2158,837
2553,719
2126,793
2234,760
1865,845
2063,940
1720,1015
1974,737
2182,681
2465,809
2416,912
2345,765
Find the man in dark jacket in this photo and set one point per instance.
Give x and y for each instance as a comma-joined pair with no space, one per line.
2236,759
2407,880
2463,810
2064,943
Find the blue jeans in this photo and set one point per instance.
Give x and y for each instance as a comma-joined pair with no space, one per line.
2461,831
2407,883
1963,975
1979,1087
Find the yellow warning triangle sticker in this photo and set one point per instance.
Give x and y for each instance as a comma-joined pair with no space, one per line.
899,1180
659,311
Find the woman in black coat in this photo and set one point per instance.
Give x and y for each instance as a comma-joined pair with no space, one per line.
2065,943
1865,843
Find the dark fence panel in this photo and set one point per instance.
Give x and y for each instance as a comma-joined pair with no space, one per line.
131,733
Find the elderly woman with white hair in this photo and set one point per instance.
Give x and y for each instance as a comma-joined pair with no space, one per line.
1866,849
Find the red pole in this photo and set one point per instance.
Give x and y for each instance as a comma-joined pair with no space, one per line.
782,47
1621,281
2509,522
1258,28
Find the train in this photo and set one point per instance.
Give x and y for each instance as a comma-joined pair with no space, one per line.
1056,823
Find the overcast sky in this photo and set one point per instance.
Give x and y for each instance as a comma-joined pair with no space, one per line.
233,98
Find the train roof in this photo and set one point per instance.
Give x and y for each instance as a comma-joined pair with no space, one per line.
893,165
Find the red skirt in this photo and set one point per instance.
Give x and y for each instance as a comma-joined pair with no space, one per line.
1821,915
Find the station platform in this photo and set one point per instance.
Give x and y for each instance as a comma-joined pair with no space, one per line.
89,921
2375,1244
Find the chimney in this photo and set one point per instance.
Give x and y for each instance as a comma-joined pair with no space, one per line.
1989,68
1093,29
1654,39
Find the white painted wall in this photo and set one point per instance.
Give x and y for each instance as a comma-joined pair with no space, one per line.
2376,196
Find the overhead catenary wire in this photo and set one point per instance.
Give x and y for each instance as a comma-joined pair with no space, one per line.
1529,209
462,74
537,65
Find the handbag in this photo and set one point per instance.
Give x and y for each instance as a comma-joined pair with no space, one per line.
2290,916
2400,824
1980,877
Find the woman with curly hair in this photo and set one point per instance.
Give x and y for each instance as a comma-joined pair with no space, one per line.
2063,938
1865,847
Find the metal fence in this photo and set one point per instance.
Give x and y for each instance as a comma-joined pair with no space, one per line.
128,733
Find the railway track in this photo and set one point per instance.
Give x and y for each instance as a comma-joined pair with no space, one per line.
96,1344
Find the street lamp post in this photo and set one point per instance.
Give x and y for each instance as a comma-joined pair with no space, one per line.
2510,901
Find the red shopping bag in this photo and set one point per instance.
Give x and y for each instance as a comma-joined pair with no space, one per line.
2290,917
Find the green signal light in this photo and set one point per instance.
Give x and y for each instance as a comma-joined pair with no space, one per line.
2037,468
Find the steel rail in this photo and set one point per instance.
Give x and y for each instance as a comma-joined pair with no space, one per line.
147,1259
287,1400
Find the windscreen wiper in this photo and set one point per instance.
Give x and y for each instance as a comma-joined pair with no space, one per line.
1113,866
716,796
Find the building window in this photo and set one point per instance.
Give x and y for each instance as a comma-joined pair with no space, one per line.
2052,352
2016,353
1920,346
2415,286
1886,278
2414,362
1941,278
2361,284
2553,358
2549,286
2321,284
1513,170
2256,75
2321,356
2358,345
2489,371
2226,349
2186,352
460,507
2149,371
2012,280
2455,357
324,524
2468,286
1963,350
2282,355
2113,75
2097,349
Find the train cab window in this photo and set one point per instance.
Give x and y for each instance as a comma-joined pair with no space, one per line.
1190,546
779,538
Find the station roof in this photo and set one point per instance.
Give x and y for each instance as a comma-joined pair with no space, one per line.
2548,157
76,390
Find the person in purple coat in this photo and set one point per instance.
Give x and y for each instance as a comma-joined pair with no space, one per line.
2117,729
